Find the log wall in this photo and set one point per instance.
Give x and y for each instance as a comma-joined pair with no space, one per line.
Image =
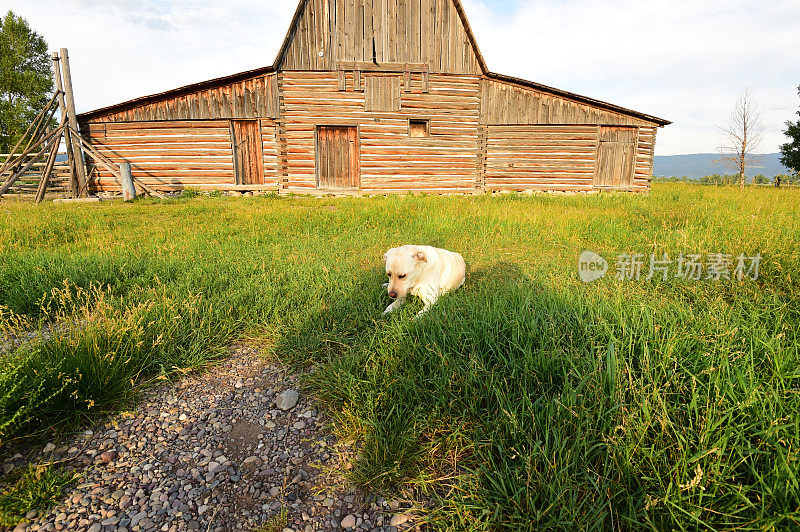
174,155
556,158
432,32
253,98
645,154
391,160
559,158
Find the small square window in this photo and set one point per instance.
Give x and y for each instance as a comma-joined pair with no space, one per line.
419,128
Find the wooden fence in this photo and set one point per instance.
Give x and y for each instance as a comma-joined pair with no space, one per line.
27,184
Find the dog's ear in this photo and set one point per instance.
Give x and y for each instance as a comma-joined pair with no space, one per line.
386,255
419,256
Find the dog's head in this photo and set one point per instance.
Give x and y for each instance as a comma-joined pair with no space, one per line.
404,267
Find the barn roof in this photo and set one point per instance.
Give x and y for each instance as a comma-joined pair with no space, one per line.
241,76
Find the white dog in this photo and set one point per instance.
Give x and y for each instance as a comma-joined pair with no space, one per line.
422,271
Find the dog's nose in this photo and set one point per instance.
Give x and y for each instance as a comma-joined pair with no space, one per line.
393,294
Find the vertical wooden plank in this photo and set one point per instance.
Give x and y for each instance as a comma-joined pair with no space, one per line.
455,23
325,42
317,155
416,31
378,14
445,19
350,54
304,34
358,30
384,31
257,153
335,150
369,30
391,29
355,158
336,33
321,160
438,27
77,155
234,149
426,39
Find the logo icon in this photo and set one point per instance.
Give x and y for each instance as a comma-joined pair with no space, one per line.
591,267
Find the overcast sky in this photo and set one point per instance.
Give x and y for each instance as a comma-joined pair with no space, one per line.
683,60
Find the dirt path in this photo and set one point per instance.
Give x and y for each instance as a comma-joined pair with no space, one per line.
213,452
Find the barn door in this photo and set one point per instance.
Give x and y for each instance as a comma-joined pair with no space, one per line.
337,157
248,152
616,157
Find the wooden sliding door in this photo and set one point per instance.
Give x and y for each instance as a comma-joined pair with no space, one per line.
337,157
248,152
616,156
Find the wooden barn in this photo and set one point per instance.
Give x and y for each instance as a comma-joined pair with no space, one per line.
375,97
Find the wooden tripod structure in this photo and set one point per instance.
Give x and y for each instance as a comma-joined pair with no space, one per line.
41,141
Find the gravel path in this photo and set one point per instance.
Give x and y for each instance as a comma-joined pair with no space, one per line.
226,450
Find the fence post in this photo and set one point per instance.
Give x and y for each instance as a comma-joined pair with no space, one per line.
128,188
80,164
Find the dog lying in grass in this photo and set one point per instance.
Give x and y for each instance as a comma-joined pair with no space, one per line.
422,271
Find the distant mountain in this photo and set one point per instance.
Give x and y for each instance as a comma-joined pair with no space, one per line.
697,165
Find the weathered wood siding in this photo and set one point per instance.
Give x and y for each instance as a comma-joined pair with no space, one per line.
391,160
506,104
253,98
559,158
616,157
382,92
271,139
173,155
645,151
387,31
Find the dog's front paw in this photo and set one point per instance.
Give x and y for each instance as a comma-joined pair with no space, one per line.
385,285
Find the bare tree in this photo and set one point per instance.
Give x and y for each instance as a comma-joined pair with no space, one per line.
742,137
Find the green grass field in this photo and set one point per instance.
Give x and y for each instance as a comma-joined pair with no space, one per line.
528,400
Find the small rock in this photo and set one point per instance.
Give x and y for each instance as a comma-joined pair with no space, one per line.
349,521
287,400
108,456
49,447
399,519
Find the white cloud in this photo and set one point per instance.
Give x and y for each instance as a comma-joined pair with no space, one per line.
684,60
